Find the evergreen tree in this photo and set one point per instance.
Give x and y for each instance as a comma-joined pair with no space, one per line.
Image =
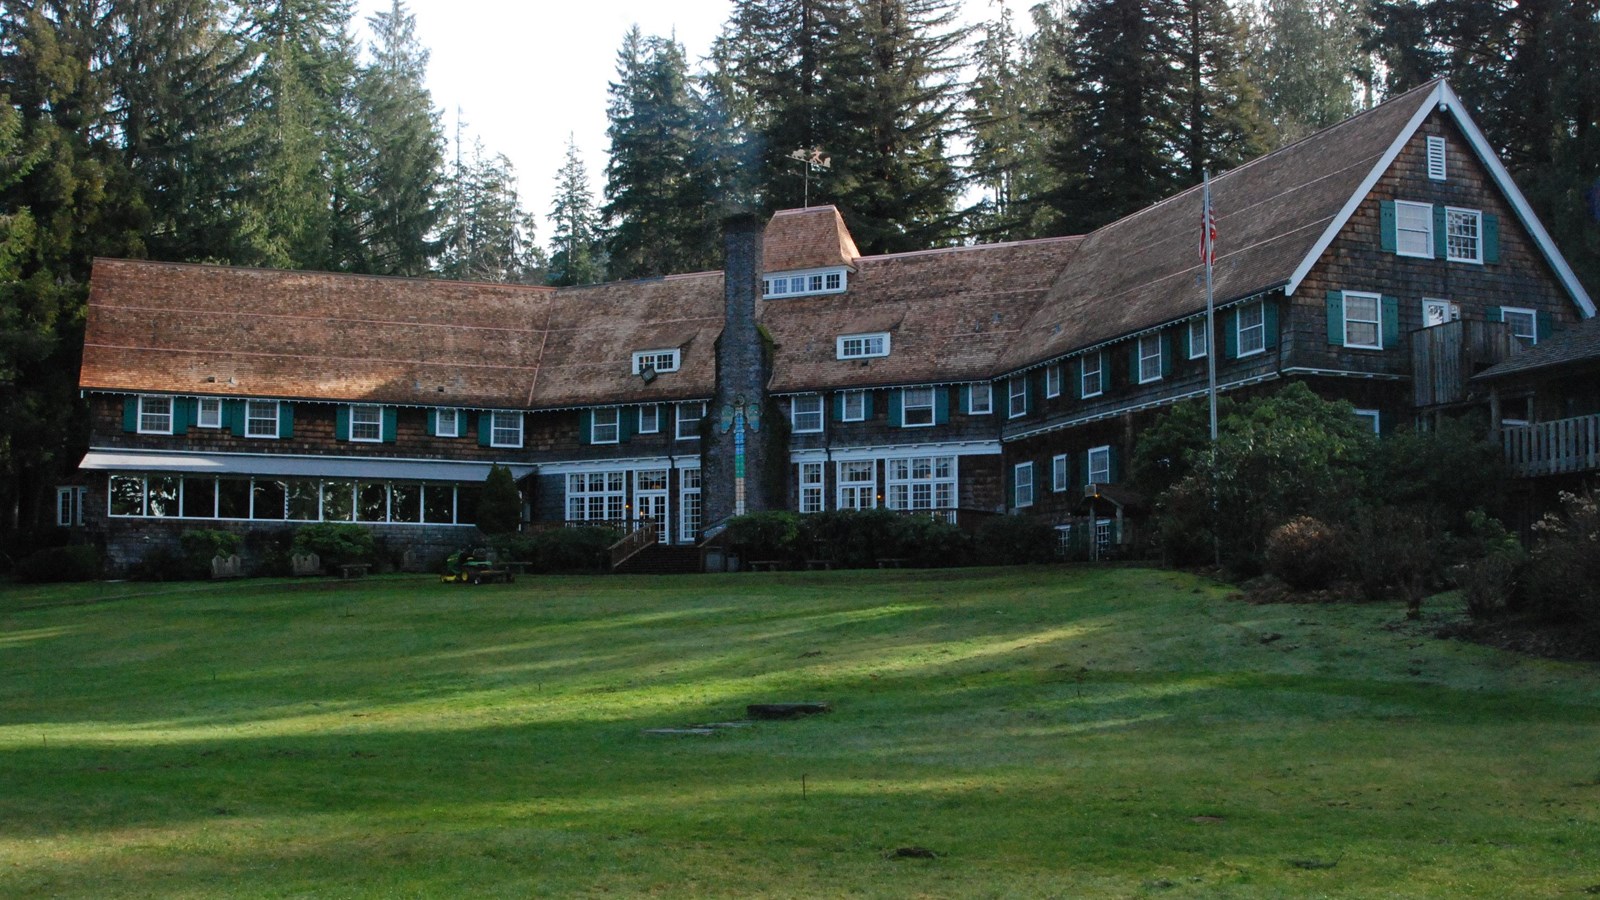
1310,66
486,235
576,250
1223,123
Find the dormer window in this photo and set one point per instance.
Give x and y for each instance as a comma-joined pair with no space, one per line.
659,361
863,346
801,284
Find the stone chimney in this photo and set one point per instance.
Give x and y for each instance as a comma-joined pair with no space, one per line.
744,367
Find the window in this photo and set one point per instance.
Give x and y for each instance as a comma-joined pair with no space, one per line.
447,423
658,360
1058,473
1362,326
1100,465
69,506
650,419
917,407
596,497
1463,235
208,413
858,484
1438,312
1052,381
863,346
921,483
803,283
155,415
1413,229
1436,159
505,429
806,414
1369,414
1017,397
689,416
1150,358
261,418
605,425
811,487
366,423
1524,322
980,400
853,406
1091,385
293,499
1252,329
1199,340
1023,482
688,505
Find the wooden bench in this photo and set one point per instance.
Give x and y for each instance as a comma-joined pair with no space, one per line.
517,568
765,565
354,570
891,562
819,564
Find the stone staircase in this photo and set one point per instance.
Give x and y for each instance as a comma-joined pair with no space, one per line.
662,559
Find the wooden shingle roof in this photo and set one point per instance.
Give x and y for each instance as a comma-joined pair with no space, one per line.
810,238
1578,345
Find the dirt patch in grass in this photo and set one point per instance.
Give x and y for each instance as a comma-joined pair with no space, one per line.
1569,643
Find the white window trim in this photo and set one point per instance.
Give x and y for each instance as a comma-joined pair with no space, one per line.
363,408
1103,454
840,485
654,359
987,392
495,428
906,406
1145,357
690,512
1377,306
73,496
1533,319
901,482
679,420
1477,214
795,412
769,278
615,424
277,419
1239,328
1438,165
171,413
859,400
200,411
654,420
1052,381
455,423
1099,376
813,489
1452,312
1427,220
1197,327
1060,474
1017,484
1016,397
1371,414
839,345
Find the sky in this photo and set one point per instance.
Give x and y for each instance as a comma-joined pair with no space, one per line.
527,73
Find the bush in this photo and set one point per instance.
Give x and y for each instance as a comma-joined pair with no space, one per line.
1490,577
500,506
1396,552
1563,577
574,549
851,538
766,535
1305,554
80,562
336,543
929,543
198,545
1015,540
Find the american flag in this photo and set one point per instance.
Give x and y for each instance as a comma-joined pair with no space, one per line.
1208,227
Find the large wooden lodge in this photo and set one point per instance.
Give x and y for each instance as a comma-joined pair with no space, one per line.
1388,260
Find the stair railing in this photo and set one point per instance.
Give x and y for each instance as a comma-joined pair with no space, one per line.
633,543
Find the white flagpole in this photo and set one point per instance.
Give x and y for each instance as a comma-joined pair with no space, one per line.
1207,228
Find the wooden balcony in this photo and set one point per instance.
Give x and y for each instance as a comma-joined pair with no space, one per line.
1560,447
1445,357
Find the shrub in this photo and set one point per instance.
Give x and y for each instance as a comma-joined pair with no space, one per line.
1396,552
1015,540
1490,577
573,549
517,546
929,543
766,535
500,506
161,563
1305,554
851,538
80,562
199,545
1563,577
335,543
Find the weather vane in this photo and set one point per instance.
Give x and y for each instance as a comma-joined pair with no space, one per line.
810,160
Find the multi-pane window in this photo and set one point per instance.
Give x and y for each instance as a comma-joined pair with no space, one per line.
1524,322
858,484
291,499
811,487
69,506
1362,325
261,418
505,429
1016,397
804,283
689,416
1090,384
1252,329
806,413
917,407
1413,229
447,422
1150,358
656,360
605,425
366,423
649,419
1372,416
596,496
981,399
155,415
1022,481
1058,473
1099,465
208,413
1463,235
1437,169
863,346
853,406
1052,381
1199,339
921,483
688,505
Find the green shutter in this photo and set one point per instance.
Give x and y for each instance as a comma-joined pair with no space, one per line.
1133,362
1076,374
1391,322
234,410
1269,320
182,414
1493,314
1113,466
866,405
1544,326
1441,248
391,424
433,422
1166,354
341,423
1491,239
585,426
285,419
896,416
1388,234
1230,334
485,428
966,399
838,406
1105,372
627,426
130,414
1336,318
941,405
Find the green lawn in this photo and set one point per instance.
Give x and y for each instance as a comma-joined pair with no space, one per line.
1046,731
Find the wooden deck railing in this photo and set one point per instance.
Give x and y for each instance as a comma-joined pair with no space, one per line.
633,542
1445,357
1560,447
